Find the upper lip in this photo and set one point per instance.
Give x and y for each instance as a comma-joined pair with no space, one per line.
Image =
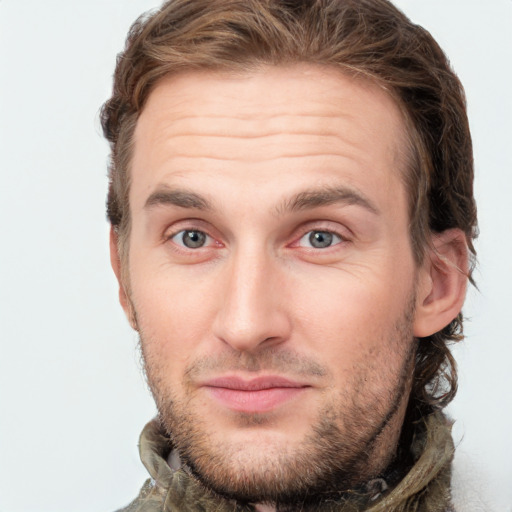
253,384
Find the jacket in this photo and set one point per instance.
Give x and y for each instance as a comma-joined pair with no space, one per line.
424,488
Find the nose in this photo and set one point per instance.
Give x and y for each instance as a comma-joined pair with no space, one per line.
252,304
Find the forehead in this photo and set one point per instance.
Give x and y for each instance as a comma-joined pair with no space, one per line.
249,125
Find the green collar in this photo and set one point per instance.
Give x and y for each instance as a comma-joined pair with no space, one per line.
425,488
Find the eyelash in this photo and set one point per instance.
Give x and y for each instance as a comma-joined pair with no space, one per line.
336,239
331,234
188,230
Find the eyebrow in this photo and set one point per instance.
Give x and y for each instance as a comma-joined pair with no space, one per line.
325,196
305,200
165,196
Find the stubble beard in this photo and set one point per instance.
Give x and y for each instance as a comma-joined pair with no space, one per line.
346,446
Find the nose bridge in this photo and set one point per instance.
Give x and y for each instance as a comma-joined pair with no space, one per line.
251,311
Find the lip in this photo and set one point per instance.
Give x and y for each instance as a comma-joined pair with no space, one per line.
257,395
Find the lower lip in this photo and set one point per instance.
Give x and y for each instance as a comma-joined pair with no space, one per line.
254,401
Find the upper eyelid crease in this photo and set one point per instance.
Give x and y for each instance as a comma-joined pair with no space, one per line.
342,237
173,233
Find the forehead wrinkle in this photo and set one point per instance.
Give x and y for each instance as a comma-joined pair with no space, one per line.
245,121
256,128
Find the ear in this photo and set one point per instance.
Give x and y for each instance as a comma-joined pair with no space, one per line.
442,283
115,261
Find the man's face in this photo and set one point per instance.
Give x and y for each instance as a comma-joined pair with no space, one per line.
271,276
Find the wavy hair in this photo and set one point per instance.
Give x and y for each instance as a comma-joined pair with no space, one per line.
371,39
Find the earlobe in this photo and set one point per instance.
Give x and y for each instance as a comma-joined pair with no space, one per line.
442,284
115,261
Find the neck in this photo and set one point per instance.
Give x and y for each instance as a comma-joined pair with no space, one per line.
399,461
425,487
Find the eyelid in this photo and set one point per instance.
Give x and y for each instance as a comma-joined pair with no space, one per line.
335,243
208,240
189,224
192,224
343,232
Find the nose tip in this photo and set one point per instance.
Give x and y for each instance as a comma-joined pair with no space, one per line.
252,312
250,339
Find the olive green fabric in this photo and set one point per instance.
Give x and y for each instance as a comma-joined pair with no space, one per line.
425,487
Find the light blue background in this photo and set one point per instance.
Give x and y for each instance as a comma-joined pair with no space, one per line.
72,395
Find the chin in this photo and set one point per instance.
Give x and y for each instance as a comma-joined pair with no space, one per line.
254,460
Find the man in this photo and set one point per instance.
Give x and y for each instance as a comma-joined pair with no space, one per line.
292,223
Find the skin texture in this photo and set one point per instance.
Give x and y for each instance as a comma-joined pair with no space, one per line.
255,167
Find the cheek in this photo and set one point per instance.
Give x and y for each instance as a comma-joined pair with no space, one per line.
173,313
354,320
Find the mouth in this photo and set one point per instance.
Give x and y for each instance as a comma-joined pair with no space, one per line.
252,396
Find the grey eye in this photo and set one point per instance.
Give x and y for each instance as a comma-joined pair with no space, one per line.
191,239
319,239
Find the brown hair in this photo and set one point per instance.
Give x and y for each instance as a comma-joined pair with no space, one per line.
369,38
